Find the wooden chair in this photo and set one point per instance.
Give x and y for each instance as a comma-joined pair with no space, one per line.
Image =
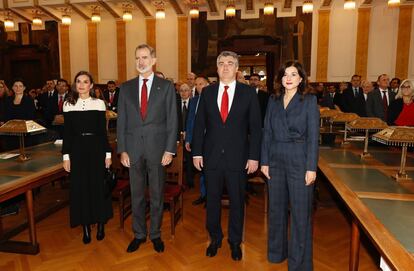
173,191
259,178
122,190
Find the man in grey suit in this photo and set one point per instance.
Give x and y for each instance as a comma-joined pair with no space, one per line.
146,137
379,99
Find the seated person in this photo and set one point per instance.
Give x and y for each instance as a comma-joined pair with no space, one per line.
401,110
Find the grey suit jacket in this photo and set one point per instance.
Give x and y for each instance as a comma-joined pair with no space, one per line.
374,104
156,134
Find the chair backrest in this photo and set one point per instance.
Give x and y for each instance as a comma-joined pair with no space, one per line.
174,171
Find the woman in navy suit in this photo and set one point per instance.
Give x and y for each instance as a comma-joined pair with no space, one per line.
289,160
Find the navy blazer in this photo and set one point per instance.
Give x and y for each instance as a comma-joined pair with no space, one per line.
299,122
192,110
236,140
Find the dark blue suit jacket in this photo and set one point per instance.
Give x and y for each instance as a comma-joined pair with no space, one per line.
235,141
298,123
192,110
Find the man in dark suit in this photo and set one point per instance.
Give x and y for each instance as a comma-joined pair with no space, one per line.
147,140
46,96
111,95
226,144
350,95
54,107
262,96
379,99
362,99
183,102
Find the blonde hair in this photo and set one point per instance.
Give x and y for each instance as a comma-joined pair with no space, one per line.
410,82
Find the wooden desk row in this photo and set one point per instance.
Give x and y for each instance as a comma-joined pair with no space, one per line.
380,206
21,178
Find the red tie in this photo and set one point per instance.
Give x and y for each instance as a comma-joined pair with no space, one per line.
60,105
224,109
385,104
144,99
111,97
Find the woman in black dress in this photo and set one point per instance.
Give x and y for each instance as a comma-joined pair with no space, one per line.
86,153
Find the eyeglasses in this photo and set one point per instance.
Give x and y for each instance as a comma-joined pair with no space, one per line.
407,86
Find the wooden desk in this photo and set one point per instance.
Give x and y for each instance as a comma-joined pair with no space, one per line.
22,177
383,208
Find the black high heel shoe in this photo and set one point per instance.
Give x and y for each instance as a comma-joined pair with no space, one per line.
86,234
100,234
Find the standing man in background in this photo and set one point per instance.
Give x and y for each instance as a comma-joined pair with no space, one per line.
146,138
200,84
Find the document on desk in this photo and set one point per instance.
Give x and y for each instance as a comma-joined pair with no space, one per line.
8,155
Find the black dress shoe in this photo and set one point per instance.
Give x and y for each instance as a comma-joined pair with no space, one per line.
86,234
158,245
200,200
134,245
212,248
100,234
236,252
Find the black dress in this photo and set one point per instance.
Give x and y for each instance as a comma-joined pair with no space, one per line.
85,144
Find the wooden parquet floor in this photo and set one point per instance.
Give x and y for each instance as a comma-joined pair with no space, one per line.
61,247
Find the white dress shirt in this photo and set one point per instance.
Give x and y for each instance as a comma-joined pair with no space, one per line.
230,92
382,95
149,84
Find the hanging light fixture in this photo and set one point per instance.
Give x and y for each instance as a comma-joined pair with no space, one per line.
394,3
8,23
307,6
268,8
127,16
159,10
194,10
66,20
160,13
230,9
349,4
96,18
37,21
36,18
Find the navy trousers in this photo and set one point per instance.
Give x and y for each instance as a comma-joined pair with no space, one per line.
235,182
287,189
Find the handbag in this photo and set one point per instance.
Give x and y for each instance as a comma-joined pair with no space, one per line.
110,181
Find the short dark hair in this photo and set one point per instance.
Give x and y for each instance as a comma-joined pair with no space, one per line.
18,79
111,82
60,80
356,75
398,80
303,85
146,46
